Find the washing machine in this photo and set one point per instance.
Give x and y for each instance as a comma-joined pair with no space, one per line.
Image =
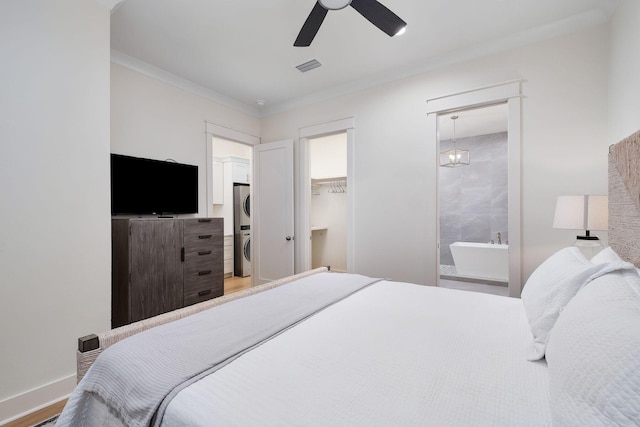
242,220
242,258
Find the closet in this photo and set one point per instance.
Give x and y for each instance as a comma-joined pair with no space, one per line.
328,211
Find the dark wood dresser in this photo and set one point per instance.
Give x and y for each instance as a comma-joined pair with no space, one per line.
159,265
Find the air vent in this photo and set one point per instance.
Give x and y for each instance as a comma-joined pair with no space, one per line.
309,65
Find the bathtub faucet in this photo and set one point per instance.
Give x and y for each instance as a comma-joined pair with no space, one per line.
499,238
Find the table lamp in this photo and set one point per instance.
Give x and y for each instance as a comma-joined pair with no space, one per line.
583,212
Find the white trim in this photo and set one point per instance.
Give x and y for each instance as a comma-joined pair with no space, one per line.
33,400
328,128
509,84
303,207
303,191
432,187
514,144
479,96
181,83
231,134
511,93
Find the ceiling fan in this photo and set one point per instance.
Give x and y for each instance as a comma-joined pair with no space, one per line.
373,10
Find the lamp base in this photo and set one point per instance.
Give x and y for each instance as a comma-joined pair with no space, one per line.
590,246
587,237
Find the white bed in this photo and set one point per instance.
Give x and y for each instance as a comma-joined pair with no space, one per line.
432,357
391,353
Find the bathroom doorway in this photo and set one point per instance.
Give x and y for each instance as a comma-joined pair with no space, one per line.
473,199
510,95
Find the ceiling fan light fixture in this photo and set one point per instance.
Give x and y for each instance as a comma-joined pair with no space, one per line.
374,11
401,31
334,4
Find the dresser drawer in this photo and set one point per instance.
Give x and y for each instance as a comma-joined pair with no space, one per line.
202,234
202,286
198,261
200,242
203,226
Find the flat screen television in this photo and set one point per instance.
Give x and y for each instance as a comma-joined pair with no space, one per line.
144,186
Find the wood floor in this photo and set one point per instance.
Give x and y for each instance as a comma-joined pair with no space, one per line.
235,284
38,416
231,285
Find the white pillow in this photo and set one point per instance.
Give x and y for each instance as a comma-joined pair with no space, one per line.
551,287
605,255
593,355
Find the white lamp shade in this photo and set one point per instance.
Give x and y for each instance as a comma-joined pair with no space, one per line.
582,213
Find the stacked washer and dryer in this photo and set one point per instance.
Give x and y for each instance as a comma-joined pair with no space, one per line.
242,230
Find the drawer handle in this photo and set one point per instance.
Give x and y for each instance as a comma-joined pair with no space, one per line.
204,273
204,236
203,293
204,220
204,252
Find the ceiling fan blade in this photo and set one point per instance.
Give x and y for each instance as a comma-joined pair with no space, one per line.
311,25
379,16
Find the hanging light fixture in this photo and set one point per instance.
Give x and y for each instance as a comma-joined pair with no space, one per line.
454,157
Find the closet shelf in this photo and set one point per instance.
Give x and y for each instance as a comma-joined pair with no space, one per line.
318,227
328,180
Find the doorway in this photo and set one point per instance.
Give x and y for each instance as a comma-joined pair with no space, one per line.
340,186
510,94
328,210
473,199
231,192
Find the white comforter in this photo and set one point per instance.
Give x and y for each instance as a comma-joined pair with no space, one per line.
394,354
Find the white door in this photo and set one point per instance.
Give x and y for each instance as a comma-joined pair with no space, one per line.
272,234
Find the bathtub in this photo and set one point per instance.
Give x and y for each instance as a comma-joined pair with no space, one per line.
481,260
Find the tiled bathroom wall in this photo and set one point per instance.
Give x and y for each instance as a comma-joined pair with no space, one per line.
473,199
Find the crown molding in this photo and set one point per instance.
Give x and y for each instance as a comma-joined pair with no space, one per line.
110,4
127,61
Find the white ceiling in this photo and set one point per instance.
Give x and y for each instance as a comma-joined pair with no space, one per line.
242,51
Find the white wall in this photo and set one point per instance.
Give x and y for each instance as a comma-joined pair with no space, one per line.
564,117
328,156
224,147
54,176
624,80
153,119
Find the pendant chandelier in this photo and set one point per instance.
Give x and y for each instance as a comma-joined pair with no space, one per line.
455,157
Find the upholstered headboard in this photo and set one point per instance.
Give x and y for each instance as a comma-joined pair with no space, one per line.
624,198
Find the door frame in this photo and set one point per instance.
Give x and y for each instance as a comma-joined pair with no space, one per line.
510,93
303,191
210,131
213,130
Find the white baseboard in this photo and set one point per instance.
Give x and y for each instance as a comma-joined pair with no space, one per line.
30,401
